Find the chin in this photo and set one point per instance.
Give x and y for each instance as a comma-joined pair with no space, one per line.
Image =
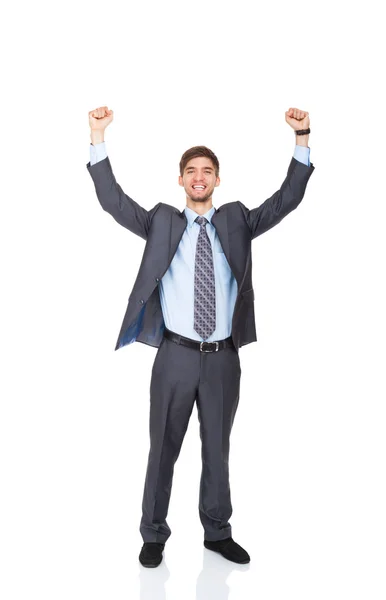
203,199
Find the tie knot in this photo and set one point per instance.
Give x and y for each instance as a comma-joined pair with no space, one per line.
201,220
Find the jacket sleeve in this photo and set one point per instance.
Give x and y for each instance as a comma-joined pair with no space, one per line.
282,202
113,200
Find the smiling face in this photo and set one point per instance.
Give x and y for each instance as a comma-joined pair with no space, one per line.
199,180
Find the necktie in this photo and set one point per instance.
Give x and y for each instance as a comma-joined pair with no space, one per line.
204,288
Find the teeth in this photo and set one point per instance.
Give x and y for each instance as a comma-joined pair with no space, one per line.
201,187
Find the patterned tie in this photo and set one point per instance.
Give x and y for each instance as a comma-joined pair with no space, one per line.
204,288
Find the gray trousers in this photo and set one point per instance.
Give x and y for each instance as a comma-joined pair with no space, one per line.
180,377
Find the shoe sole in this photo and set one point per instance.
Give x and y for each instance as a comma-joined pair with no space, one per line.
150,566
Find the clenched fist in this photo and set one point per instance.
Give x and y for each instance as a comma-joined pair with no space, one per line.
99,118
298,119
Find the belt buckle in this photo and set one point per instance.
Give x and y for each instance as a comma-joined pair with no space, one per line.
201,343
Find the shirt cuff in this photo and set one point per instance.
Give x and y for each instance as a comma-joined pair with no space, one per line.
97,152
302,154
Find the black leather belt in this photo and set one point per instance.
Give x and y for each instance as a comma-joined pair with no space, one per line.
202,346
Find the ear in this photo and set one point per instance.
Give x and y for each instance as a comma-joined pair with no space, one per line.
180,181
217,181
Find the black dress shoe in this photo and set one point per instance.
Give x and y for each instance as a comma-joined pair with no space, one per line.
229,549
151,554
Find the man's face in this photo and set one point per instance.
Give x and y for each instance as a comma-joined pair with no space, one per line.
199,179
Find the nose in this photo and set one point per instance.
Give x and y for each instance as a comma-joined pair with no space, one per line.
198,178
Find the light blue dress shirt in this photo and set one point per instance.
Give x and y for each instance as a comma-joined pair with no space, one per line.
176,287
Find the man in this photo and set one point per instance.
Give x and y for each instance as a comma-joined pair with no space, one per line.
193,300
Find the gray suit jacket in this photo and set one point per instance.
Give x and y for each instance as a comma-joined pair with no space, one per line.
162,228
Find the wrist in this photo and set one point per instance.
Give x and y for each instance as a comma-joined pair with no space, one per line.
302,140
97,136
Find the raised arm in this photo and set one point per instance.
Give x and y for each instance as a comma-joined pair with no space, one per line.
292,190
112,198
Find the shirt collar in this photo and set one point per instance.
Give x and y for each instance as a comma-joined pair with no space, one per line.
191,215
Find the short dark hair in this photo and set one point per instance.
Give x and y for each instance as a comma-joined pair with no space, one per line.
199,151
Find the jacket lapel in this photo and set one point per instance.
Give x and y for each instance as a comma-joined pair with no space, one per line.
220,222
178,224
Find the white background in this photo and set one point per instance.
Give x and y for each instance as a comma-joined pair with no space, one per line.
308,449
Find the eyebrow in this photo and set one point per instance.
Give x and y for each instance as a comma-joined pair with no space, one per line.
210,168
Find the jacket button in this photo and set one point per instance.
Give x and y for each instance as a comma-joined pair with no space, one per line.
157,278
142,301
